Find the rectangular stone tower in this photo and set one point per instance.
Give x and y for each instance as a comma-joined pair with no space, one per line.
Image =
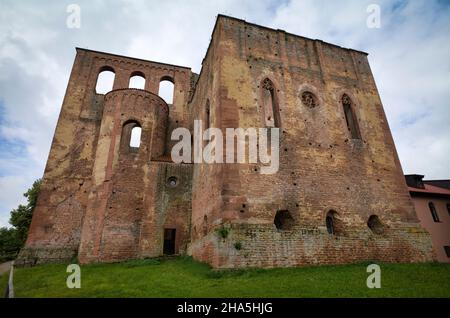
339,195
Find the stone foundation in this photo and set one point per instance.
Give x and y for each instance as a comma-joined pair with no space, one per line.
30,256
262,245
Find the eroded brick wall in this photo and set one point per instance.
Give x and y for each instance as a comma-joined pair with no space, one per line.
322,167
97,194
262,245
103,201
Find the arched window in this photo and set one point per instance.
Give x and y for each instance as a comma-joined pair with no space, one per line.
283,220
207,115
433,212
333,224
131,136
105,80
270,106
166,89
135,139
137,80
375,224
350,119
330,224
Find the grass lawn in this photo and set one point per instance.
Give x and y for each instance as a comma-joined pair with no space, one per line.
3,283
184,277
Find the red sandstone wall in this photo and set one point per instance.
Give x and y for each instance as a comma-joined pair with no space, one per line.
83,165
321,167
261,245
117,204
207,202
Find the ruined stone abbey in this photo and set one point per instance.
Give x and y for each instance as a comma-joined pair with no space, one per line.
339,195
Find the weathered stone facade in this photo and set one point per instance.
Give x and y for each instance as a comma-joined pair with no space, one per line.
339,171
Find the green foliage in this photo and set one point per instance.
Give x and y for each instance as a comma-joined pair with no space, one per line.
9,244
238,246
32,193
20,219
161,278
12,239
223,232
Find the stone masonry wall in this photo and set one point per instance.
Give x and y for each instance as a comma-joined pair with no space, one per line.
262,245
322,167
103,201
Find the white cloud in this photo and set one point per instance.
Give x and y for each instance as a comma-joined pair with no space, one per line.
408,56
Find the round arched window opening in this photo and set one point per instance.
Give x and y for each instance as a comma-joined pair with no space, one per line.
309,99
172,182
375,225
283,220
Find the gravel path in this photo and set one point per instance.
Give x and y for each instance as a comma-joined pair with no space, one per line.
4,267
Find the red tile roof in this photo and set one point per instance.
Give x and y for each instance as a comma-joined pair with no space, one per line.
430,189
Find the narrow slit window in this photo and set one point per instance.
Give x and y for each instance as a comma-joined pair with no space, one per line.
270,106
350,118
207,115
433,212
330,224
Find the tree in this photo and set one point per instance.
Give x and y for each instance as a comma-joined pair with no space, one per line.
13,239
9,244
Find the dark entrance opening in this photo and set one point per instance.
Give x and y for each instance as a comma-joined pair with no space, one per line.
169,241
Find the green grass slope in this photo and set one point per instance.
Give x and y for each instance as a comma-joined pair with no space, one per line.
184,277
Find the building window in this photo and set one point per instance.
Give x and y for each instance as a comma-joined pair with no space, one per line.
447,250
131,136
105,80
270,106
137,80
283,220
433,212
207,115
375,225
135,139
330,224
166,89
172,182
333,223
350,118
309,99
448,208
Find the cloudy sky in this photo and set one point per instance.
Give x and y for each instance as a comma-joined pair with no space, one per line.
409,56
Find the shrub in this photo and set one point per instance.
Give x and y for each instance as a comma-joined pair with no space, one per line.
223,232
